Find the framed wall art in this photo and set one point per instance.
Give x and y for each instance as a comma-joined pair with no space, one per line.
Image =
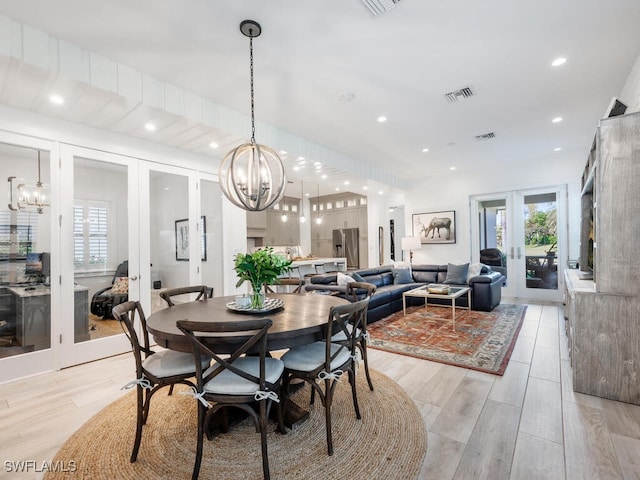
182,239
435,227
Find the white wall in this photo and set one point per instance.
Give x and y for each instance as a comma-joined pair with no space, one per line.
630,94
453,191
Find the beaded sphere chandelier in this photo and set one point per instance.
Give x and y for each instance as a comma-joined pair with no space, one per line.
252,176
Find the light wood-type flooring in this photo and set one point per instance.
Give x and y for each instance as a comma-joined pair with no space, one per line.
526,424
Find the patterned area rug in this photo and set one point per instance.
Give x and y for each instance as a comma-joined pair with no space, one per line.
482,340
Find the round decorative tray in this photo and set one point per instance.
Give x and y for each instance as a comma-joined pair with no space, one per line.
438,289
270,304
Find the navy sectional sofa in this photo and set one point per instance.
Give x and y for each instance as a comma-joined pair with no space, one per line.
486,288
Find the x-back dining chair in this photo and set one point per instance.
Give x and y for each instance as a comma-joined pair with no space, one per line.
357,291
202,290
236,381
154,370
285,282
326,361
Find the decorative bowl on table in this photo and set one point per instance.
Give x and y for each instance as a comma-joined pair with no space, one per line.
270,304
438,289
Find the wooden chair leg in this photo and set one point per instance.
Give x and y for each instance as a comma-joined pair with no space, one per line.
328,399
352,381
263,439
363,350
201,419
139,422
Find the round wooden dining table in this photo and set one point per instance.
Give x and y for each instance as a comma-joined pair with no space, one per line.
301,320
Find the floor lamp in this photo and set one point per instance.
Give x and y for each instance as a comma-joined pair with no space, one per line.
411,244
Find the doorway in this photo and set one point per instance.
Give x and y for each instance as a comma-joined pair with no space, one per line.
523,235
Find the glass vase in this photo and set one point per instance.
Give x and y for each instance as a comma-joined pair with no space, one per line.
257,297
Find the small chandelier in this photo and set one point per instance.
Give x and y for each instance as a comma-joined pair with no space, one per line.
28,196
303,219
252,176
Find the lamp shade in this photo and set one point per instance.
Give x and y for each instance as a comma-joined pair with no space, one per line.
411,243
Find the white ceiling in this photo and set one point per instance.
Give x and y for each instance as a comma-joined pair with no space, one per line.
399,64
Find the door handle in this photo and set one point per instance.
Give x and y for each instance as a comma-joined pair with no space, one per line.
134,278
512,257
519,254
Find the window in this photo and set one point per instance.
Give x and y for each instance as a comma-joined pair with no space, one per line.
18,233
91,245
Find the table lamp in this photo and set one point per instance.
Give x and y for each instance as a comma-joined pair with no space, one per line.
411,243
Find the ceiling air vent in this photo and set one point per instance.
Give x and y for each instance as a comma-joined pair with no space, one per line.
485,136
377,7
453,97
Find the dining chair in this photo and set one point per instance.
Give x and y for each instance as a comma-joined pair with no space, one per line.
154,370
238,380
202,290
286,282
326,361
357,291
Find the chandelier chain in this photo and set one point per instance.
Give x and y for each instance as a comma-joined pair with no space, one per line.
253,121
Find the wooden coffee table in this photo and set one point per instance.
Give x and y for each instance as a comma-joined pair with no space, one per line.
454,292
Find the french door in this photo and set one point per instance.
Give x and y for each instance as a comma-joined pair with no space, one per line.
100,244
529,229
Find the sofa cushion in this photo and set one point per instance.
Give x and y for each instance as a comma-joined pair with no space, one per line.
425,273
474,270
357,277
402,276
457,274
343,279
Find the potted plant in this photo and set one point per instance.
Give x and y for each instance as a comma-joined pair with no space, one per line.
259,268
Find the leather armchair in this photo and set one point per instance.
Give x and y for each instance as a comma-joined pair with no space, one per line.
104,300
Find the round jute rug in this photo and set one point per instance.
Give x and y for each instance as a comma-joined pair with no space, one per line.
389,442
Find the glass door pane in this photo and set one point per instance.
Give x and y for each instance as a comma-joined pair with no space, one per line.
170,233
540,216
25,246
211,235
100,247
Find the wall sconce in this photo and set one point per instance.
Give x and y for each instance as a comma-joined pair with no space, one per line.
24,196
411,243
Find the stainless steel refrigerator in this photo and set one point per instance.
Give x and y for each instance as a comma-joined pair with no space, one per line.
346,244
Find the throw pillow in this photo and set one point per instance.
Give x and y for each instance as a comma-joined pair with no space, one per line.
120,286
474,270
401,276
457,274
357,277
343,279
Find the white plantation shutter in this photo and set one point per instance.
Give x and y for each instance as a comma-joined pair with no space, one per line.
18,233
91,234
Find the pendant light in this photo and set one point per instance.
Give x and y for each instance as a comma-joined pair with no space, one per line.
28,196
252,176
318,218
303,219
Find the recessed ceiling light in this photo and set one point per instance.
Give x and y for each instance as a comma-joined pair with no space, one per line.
337,189
365,188
557,149
283,152
306,194
214,145
296,168
382,119
56,99
301,158
425,150
559,61
317,164
150,127
452,168
347,182
380,192
557,120
324,177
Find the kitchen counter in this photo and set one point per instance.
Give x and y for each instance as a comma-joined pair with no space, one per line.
340,263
